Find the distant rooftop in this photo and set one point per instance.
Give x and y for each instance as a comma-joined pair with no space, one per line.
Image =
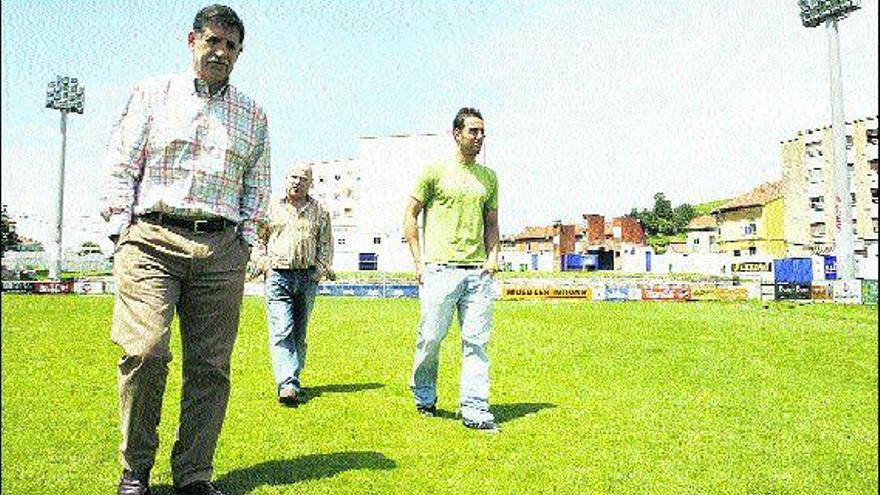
702,222
758,196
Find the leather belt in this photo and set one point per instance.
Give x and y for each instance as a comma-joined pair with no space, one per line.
192,225
458,265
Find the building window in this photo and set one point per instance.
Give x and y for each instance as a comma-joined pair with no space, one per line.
852,198
736,252
377,240
340,241
750,229
403,240
696,241
875,226
815,175
818,203
753,251
711,240
817,229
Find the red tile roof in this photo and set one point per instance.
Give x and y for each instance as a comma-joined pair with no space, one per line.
758,196
703,222
536,233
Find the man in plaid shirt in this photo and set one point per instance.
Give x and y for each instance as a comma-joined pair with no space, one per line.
294,250
188,181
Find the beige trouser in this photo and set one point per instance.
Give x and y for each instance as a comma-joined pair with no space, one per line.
158,269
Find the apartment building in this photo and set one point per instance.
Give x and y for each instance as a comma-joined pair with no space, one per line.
808,189
753,223
367,197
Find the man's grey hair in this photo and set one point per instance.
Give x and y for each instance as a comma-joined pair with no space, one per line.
300,170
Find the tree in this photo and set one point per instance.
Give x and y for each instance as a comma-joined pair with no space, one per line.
682,216
662,206
664,219
10,237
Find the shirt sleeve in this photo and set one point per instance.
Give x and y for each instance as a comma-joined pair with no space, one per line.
424,189
492,199
325,243
124,162
256,188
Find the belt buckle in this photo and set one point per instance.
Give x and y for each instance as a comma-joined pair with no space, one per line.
197,224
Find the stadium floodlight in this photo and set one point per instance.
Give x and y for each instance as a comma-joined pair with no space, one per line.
67,95
814,13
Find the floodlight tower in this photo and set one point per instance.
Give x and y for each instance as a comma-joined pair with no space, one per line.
814,13
64,94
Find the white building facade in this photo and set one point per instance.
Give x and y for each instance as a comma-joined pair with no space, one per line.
367,198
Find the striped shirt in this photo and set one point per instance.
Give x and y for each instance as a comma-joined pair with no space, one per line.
179,150
297,238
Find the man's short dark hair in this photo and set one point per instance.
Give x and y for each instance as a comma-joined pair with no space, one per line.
462,114
220,15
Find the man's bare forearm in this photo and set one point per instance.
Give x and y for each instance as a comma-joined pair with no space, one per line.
411,231
411,234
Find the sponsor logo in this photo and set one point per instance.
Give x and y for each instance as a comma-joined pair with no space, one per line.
547,292
751,267
666,293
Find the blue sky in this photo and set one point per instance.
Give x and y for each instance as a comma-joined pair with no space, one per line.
589,106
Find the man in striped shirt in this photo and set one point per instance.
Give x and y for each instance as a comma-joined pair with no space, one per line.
297,251
187,183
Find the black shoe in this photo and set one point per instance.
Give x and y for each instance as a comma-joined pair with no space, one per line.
198,488
427,411
134,484
287,396
488,426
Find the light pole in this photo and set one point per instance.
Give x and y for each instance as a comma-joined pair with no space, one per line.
64,94
814,13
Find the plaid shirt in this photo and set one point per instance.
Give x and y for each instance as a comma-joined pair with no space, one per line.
296,238
179,150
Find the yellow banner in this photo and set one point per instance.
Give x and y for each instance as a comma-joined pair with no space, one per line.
726,294
752,267
820,293
704,293
515,292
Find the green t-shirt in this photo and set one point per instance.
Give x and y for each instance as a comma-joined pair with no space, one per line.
455,196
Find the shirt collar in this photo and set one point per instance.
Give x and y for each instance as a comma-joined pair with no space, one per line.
200,87
306,204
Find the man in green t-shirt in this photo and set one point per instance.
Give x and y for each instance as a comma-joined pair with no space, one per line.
460,200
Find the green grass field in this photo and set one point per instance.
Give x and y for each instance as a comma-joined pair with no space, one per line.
593,398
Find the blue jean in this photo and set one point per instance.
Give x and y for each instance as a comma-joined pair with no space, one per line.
290,296
445,289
